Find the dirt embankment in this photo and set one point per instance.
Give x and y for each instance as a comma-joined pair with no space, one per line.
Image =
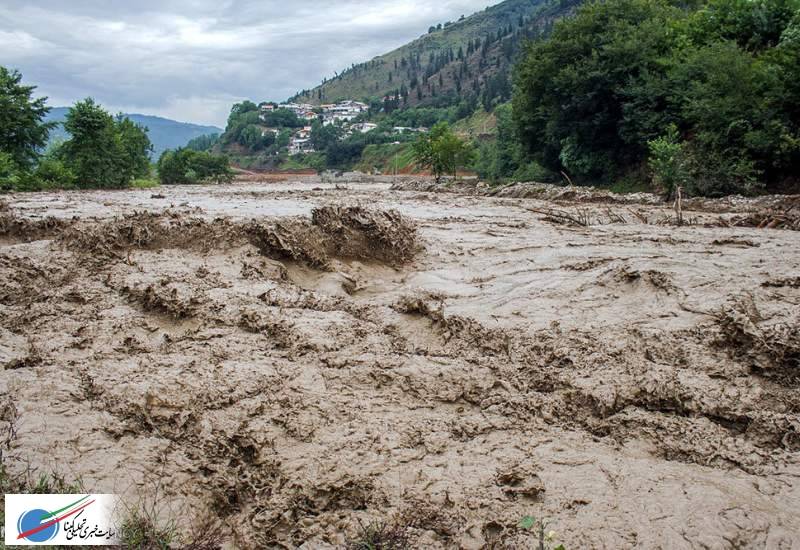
411,368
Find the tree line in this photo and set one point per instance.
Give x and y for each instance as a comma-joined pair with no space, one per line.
706,95
102,150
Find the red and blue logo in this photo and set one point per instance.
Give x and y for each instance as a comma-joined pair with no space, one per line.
39,525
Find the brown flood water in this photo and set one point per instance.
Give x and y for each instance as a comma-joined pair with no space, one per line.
297,360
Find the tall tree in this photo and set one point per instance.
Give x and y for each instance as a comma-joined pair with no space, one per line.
442,151
23,132
102,152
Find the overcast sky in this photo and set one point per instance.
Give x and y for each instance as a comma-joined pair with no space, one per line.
190,60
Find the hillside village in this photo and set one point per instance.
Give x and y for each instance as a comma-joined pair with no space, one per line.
350,115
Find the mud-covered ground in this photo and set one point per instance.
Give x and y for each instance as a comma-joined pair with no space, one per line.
300,360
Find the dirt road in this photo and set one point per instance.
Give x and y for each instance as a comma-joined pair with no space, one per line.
298,361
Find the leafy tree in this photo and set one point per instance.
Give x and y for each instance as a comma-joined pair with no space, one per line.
186,166
442,151
23,132
101,151
324,136
597,96
240,109
754,25
9,172
136,147
282,118
571,88
668,162
203,143
52,173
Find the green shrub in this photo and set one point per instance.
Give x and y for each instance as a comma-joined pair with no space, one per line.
186,166
594,98
142,530
668,162
9,173
715,175
52,173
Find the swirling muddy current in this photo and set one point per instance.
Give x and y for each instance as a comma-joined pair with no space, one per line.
297,361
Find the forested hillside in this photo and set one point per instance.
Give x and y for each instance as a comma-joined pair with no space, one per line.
633,94
471,56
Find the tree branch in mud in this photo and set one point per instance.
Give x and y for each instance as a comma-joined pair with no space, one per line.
581,218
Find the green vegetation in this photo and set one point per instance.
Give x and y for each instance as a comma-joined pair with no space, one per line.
668,161
203,143
251,131
23,131
442,151
602,94
186,166
101,151
140,530
468,57
163,133
387,158
546,539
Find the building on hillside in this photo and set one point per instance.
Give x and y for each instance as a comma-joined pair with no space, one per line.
301,110
364,127
344,111
307,116
300,145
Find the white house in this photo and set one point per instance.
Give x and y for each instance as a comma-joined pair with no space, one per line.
364,127
300,145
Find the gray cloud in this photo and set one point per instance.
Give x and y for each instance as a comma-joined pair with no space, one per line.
191,59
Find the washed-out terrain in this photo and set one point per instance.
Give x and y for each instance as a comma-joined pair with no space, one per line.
292,362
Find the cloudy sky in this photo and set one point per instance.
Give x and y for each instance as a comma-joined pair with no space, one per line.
192,59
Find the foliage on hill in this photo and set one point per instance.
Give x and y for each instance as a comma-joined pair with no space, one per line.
387,158
341,151
247,131
203,143
594,99
470,57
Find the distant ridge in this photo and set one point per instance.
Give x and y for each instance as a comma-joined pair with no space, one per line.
468,56
164,133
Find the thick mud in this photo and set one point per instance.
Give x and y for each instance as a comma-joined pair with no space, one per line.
300,360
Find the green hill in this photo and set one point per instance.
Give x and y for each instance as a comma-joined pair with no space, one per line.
163,132
470,56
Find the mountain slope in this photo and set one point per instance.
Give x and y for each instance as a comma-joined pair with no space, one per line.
463,58
163,132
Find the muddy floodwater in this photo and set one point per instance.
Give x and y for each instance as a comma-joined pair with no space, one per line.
292,362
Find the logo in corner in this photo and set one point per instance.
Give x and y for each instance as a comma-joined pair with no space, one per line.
38,525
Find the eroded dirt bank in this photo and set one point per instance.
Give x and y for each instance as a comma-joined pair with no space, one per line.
298,360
